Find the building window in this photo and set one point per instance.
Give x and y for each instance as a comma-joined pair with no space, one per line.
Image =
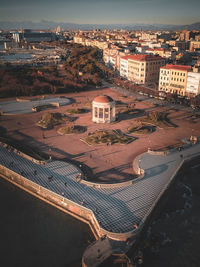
106,110
96,112
101,113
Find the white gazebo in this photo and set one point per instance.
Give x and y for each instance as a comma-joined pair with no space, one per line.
103,109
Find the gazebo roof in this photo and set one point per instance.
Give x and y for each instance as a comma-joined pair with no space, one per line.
103,99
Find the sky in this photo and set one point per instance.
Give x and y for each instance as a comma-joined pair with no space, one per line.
102,11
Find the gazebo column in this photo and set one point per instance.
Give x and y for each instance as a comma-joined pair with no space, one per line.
113,112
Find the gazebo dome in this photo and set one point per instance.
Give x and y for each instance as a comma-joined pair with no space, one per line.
103,109
103,99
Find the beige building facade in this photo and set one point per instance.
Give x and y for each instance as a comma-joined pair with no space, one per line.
173,79
144,69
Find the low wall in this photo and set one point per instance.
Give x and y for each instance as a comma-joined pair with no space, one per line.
104,185
40,162
38,108
136,166
157,152
22,100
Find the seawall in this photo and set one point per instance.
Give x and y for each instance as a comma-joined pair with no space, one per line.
62,203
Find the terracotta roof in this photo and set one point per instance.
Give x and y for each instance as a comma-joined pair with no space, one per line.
176,67
144,57
125,57
160,49
103,99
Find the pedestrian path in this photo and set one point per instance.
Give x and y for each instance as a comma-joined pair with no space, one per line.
116,209
18,107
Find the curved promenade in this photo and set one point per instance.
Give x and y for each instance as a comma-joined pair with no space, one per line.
109,210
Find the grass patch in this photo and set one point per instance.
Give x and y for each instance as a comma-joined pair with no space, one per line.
88,104
49,120
119,103
156,118
76,110
131,111
141,130
43,107
72,129
108,137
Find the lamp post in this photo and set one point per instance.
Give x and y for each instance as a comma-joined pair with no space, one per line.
149,143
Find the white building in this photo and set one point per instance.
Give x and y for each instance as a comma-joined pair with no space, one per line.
164,80
103,109
124,67
193,83
112,61
141,49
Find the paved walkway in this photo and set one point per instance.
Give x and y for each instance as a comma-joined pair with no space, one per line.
116,209
18,107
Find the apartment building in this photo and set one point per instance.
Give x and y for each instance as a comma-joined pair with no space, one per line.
141,49
124,67
112,61
185,35
165,53
79,39
108,52
148,36
194,46
144,69
173,79
88,42
193,84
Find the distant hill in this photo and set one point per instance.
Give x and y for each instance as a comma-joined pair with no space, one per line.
45,25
